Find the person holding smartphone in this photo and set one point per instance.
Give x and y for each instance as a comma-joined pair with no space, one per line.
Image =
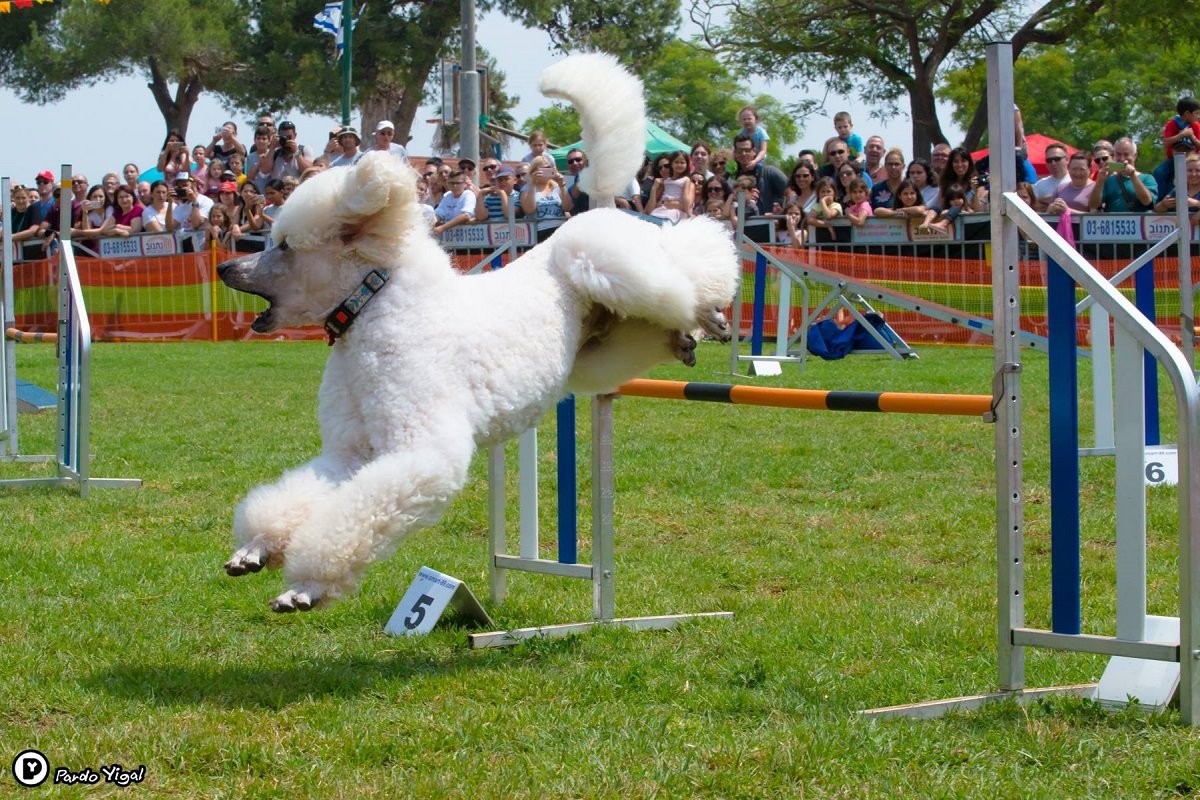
96,217
174,157
546,197
1124,189
225,143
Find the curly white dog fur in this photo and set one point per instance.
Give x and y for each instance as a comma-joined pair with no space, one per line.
438,364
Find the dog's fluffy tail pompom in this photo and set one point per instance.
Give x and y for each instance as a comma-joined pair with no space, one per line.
706,248
612,114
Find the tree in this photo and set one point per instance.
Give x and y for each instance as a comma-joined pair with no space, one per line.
398,44
188,43
560,123
633,32
1103,84
395,48
888,49
691,95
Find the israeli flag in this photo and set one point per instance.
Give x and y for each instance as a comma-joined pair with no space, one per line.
329,19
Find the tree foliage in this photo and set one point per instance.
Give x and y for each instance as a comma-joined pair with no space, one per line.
266,55
693,96
633,32
1103,84
395,48
188,43
882,50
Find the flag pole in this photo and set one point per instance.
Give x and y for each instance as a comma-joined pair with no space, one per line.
347,37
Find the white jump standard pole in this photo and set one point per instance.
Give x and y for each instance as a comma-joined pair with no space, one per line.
602,572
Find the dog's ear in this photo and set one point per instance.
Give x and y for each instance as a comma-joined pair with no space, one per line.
368,188
377,205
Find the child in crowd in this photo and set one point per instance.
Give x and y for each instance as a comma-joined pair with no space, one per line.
1182,131
216,227
212,177
859,208
908,206
827,207
845,131
716,209
745,184
789,228
797,233
955,203
1026,193
751,126
537,146
275,199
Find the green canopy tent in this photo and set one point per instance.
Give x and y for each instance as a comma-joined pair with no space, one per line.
658,141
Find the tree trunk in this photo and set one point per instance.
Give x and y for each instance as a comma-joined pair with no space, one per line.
927,129
176,109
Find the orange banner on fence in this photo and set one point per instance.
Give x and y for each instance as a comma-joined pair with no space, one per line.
166,298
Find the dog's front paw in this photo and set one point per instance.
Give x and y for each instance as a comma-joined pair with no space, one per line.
715,325
293,600
251,558
683,345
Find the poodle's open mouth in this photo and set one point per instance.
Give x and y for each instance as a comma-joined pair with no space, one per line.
265,321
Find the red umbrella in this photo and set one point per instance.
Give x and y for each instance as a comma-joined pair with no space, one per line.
1036,145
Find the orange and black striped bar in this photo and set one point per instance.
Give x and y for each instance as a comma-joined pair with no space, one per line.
23,336
967,405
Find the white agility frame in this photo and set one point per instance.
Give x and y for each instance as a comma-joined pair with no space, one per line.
72,453
601,572
1136,335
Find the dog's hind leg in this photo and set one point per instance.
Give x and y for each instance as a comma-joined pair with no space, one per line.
266,519
367,516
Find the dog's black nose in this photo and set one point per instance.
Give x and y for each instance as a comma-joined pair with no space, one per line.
224,265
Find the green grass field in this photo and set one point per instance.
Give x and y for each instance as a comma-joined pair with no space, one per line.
856,551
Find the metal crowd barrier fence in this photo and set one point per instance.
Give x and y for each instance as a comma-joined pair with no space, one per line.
937,288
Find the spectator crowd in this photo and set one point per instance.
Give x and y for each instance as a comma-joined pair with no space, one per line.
229,193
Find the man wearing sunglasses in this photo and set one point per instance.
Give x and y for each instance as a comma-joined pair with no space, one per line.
770,183
576,161
385,135
1046,189
1119,185
45,195
836,154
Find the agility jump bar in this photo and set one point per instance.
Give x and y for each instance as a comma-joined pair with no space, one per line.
967,405
28,338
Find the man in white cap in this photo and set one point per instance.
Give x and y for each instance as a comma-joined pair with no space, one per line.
385,132
348,139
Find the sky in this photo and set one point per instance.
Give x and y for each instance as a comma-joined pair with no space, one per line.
100,128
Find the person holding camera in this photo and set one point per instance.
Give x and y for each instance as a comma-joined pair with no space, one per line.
225,143
546,197
187,211
499,195
174,157
1124,189
285,156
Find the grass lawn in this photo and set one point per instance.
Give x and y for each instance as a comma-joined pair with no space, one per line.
856,551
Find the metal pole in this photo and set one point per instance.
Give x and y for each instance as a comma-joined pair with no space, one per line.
1006,319
1187,314
468,114
8,352
347,39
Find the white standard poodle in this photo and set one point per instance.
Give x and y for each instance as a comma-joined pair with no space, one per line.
427,364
